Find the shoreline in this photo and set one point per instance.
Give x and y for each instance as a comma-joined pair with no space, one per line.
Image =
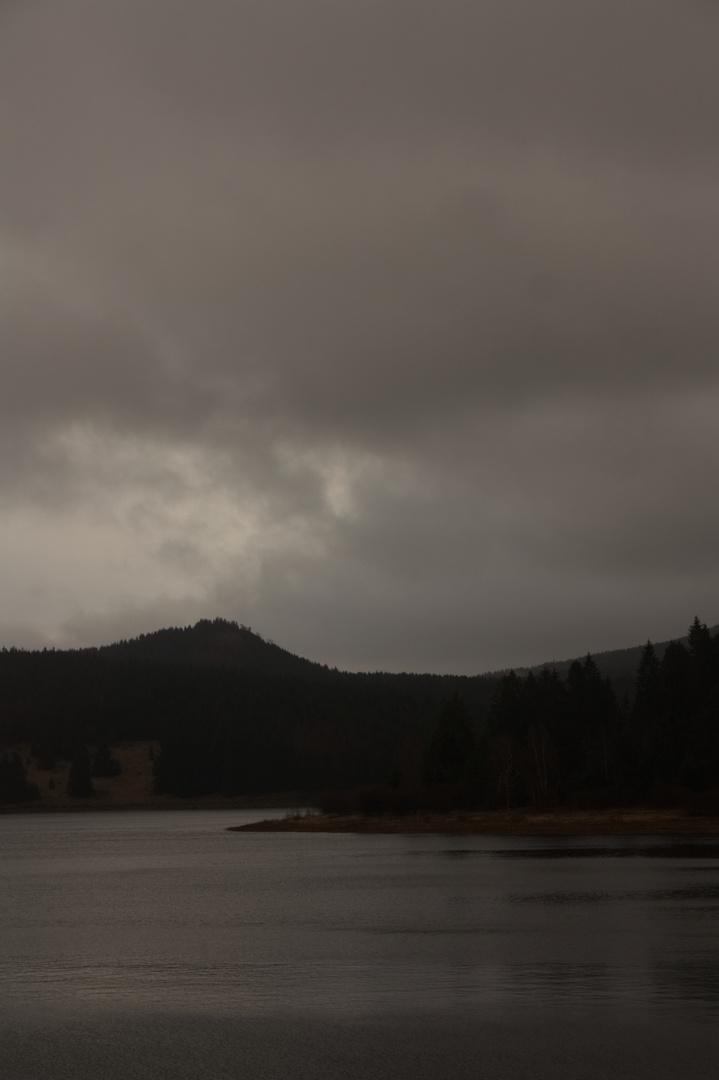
632,822
288,801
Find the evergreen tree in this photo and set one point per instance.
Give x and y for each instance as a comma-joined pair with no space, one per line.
103,763
451,754
647,688
700,765
704,661
675,676
644,745
44,754
506,708
592,727
544,700
14,786
79,780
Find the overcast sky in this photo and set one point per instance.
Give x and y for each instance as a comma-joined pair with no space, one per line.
386,327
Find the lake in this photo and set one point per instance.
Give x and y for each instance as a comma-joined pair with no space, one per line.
158,945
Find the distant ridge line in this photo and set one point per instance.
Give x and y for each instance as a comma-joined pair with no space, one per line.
613,663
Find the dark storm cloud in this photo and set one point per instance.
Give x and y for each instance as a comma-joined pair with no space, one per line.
366,320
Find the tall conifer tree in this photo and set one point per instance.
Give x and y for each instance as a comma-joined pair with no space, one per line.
79,780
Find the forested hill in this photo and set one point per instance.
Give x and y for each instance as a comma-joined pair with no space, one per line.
232,712
214,643
219,643
227,712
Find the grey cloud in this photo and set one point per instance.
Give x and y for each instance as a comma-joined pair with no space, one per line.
23,636
416,262
637,73
60,367
468,250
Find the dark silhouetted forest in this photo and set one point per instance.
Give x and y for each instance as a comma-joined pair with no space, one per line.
553,740
233,714
236,715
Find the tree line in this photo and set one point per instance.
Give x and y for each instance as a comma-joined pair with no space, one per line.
553,741
550,740
374,741
222,729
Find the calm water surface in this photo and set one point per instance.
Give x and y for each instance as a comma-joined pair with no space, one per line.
157,945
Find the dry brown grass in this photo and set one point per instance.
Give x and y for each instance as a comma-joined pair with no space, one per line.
131,788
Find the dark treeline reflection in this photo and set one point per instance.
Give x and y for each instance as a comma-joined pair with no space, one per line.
231,714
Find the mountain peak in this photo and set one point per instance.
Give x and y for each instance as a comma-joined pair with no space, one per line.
214,643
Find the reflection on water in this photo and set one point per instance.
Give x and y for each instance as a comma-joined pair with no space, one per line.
695,892
630,849
170,947
360,989
170,911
